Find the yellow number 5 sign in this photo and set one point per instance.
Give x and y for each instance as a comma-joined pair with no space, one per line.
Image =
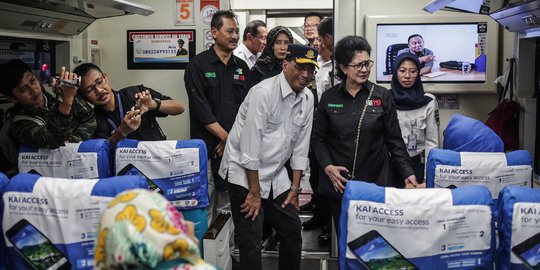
183,12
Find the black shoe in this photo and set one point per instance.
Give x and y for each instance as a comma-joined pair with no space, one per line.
324,239
308,207
312,223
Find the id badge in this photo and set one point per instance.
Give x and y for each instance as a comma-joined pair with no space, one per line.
411,142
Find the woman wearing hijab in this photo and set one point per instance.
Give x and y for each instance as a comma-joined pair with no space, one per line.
417,112
269,63
141,230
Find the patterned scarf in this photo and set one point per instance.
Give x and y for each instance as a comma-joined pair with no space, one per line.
141,230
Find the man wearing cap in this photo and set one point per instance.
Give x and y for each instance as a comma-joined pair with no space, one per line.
273,124
181,51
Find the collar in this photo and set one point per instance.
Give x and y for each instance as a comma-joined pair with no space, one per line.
286,89
214,57
364,87
244,49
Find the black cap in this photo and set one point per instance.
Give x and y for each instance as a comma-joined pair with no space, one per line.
302,54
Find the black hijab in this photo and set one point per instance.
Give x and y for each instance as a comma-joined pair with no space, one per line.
412,98
267,55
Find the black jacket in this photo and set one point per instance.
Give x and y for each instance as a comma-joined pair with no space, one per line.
381,146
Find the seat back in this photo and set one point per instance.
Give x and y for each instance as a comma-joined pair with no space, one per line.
177,168
390,228
89,159
391,53
63,210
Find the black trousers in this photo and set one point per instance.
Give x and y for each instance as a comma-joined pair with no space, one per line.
322,209
248,234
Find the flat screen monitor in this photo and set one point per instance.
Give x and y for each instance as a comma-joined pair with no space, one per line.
464,49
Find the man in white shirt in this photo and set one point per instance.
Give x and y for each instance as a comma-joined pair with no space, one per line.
273,124
253,42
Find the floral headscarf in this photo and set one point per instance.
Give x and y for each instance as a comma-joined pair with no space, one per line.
141,230
267,55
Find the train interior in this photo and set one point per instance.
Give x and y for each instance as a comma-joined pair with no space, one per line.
49,34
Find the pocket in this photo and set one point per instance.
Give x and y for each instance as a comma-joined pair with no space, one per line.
374,110
297,124
273,129
335,114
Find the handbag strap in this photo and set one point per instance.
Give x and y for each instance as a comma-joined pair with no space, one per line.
358,132
509,86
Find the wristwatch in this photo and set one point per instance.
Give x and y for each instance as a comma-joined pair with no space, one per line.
296,189
158,103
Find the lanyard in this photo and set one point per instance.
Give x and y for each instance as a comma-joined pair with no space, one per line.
121,111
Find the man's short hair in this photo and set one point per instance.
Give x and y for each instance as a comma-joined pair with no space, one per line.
217,18
326,26
83,69
414,35
252,27
11,74
181,41
313,14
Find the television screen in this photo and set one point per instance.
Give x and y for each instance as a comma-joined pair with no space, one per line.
459,50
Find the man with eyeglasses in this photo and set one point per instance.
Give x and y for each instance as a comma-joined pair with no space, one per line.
38,119
311,22
127,113
253,42
272,126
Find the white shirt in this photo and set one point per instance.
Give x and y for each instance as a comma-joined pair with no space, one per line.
272,124
424,123
245,54
322,78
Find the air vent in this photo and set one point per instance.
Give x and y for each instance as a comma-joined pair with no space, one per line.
29,23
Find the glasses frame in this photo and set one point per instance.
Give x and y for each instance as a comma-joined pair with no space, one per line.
303,68
368,64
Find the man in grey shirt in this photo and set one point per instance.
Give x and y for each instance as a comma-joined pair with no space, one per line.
425,56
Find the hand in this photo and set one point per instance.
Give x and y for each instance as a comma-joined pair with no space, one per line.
334,173
426,58
68,91
220,147
292,198
130,123
251,205
145,102
410,182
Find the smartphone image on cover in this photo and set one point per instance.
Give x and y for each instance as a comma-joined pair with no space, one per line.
529,252
132,170
36,249
375,252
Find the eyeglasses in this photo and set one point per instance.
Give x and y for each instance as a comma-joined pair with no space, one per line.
310,26
364,64
305,67
93,88
263,38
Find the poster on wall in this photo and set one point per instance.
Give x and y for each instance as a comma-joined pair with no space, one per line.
208,8
208,39
183,12
160,49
